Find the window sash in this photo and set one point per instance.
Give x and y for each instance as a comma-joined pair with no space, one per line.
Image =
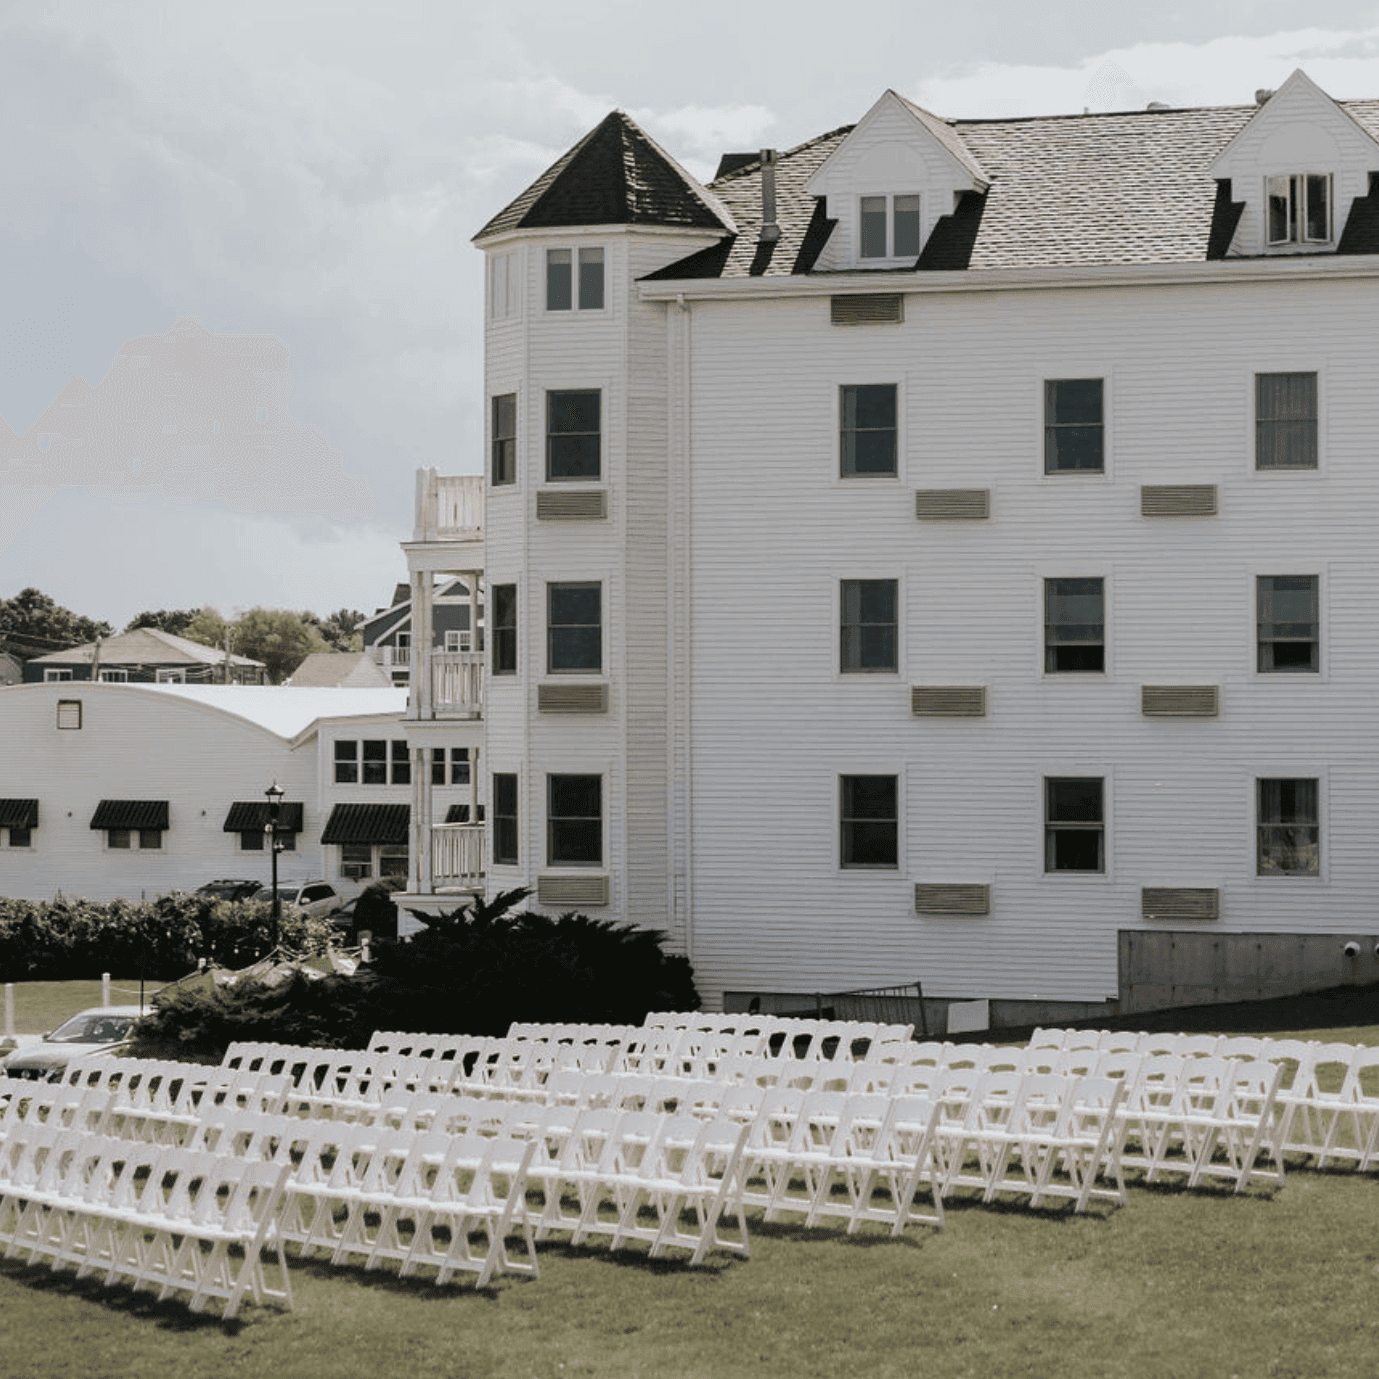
346,762
1288,827
1298,208
559,280
1074,426
1074,625
868,626
591,279
867,429
375,757
401,763
504,819
1289,623
869,824
574,820
573,434
574,627
1286,421
1074,824
504,629
505,439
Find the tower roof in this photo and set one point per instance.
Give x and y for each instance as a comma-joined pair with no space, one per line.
616,175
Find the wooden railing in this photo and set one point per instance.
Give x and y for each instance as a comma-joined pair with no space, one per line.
450,507
457,683
457,856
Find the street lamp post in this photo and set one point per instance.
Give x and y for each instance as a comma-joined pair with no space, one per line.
275,798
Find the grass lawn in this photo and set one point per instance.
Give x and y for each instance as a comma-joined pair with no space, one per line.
1275,1282
41,1006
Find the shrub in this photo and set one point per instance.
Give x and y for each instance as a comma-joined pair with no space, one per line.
70,939
471,972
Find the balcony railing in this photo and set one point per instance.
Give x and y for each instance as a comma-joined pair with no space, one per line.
389,656
457,683
457,856
450,507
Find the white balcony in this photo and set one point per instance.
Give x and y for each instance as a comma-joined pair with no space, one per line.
450,507
457,857
457,684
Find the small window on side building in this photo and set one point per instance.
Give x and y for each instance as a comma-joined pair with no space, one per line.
1289,831
573,434
1074,626
505,439
867,429
574,821
504,629
1285,421
1074,824
504,819
1074,426
575,629
1289,623
868,625
869,822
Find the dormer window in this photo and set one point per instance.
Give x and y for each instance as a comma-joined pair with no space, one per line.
1299,208
889,227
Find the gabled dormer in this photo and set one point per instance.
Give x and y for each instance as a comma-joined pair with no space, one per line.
888,183
1294,171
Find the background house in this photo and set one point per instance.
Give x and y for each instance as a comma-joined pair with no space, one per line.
389,634
147,655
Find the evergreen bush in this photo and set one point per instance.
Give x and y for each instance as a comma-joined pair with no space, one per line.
474,971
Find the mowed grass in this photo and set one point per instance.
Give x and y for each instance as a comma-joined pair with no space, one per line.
1274,1282
41,1006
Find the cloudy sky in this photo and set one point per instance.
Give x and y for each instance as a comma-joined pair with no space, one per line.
264,208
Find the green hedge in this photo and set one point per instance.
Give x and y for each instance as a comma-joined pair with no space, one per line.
472,972
67,940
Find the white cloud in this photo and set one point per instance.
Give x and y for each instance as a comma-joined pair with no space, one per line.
1221,71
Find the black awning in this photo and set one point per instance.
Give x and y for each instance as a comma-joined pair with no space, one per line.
459,814
251,816
18,813
130,814
368,823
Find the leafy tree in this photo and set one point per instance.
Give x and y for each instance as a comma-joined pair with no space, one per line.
32,623
282,640
174,620
341,630
206,627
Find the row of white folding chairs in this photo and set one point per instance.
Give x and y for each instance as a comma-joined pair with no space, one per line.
594,1034
142,1099
746,1022
1327,1106
156,1216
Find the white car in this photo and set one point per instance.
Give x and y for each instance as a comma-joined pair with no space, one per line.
315,898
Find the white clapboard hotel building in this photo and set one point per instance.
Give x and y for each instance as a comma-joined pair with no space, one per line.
942,551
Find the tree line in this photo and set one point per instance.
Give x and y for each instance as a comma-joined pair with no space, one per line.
33,623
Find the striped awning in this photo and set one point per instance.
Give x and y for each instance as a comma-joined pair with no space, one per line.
368,823
251,816
130,814
18,813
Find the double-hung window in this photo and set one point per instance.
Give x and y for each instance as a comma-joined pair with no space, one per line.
368,762
1299,208
573,434
574,821
574,278
869,822
1074,625
868,625
1074,426
888,227
574,627
504,819
1289,831
1289,623
505,439
1074,824
504,629
867,430
1285,421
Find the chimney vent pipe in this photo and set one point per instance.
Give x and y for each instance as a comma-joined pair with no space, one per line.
770,230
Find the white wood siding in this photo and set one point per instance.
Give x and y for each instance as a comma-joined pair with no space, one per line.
774,724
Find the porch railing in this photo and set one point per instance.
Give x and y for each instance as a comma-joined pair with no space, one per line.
457,856
457,683
450,507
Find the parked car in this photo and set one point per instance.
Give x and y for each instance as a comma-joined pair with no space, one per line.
316,898
229,890
102,1029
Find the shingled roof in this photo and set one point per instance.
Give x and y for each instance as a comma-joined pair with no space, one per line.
616,175
1065,190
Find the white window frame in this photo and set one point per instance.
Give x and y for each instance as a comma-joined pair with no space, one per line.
1092,570
1298,204
170,677
1273,769
504,284
890,258
1304,565
135,840
860,766
1056,370
576,253
602,863
897,476
897,575
1271,364
56,675
114,677
1070,770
